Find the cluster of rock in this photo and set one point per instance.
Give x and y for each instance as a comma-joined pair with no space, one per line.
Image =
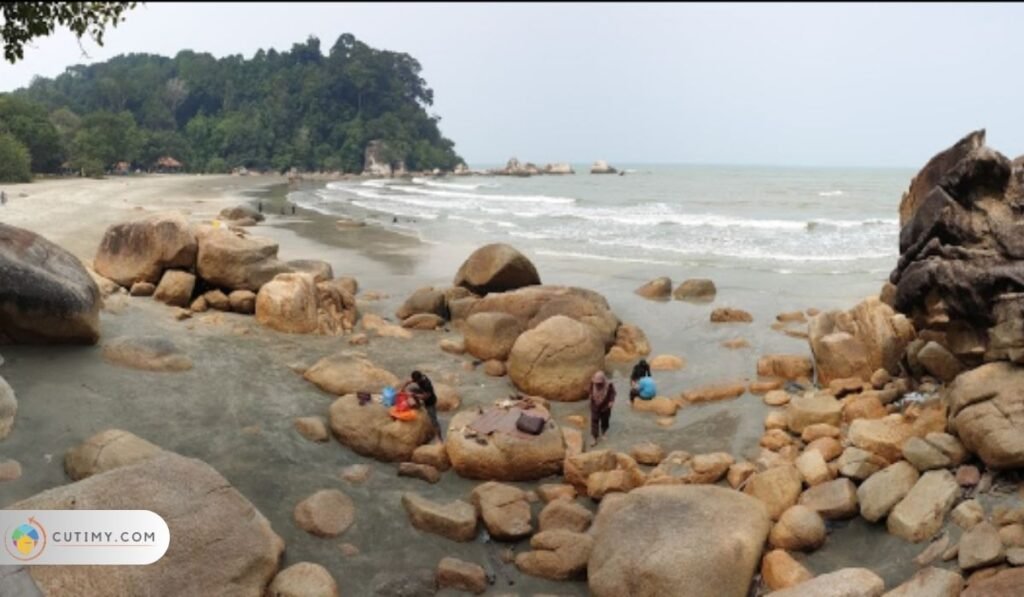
697,290
222,268
550,340
514,168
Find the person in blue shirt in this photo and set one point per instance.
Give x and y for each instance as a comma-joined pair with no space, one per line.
641,384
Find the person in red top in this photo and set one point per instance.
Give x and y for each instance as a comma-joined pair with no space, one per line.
602,397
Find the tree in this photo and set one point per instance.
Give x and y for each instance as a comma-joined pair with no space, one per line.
25,21
31,126
14,160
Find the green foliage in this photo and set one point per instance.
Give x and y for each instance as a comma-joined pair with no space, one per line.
25,21
277,110
14,160
217,166
29,124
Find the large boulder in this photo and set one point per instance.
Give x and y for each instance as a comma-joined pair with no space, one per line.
496,268
778,488
986,408
227,259
858,342
288,303
197,503
556,359
677,540
345,373
960,274
424,301
491,335
318,268
242,212
369,430
656,289
504,456
46,295
140,250
533,305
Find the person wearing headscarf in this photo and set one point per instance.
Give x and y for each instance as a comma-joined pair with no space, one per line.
602,396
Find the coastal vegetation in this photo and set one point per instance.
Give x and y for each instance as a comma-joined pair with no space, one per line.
301,108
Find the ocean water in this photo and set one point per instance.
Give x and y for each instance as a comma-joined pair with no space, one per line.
738,218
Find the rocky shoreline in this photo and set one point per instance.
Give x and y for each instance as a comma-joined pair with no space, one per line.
902,416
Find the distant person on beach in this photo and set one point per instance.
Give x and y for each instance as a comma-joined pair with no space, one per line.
602,397
423,392
3,198
641,384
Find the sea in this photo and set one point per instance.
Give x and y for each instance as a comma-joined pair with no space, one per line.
786,221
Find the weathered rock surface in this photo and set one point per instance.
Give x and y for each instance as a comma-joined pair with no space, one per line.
196,502
491,335
697,290
780,571
140,250
556,359
504,457
556,555
986,407
834,500
227,259
343,373
566,515
658,289
496,268
46,295
175,288
106,451
149,353
708,540
799,529
1006,583
326,513
8,408
455,520
778,488
858,342
848,582
880,493
369,429
730,315
503,510
980,547
304,579
930,582
453,573
921,513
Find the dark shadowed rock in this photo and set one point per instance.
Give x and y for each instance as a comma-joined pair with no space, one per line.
46,295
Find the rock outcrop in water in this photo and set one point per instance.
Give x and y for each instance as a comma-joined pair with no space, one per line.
602,167
46,295
960,276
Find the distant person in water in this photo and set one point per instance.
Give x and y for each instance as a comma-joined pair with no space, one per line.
3,198
641,371
602,397
293,209
259,205
394,220
422,391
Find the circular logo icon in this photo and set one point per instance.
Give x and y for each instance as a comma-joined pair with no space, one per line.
26,541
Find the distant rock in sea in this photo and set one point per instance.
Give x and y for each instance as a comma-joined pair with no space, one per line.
602,167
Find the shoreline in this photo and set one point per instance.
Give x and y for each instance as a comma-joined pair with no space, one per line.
235,409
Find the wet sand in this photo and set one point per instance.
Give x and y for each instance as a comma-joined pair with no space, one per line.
234,409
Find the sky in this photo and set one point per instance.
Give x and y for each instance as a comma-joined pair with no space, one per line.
872,85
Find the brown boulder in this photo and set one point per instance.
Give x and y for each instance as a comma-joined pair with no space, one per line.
243,301
342,373
149,353
799,528
730,315
326,513
235,261
320,270
785,366
423,472
142,289
455,520
106,451
369,429
503,456
175,288
140,250
708,540
556,555
196,502
303,579
657,289
780,571
858,342
496,268
847,582
424,301
695,290
456,574
491,335
556,359
834,500
503,510
986,409
778,488
217,300
288,304
566,515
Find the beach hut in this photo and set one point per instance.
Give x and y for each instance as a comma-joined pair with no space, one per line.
168,164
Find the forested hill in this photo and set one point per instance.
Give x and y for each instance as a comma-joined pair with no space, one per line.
301,108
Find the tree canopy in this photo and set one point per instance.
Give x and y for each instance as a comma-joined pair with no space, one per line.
25,21
277,110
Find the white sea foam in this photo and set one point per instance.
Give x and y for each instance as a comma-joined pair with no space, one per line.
836,193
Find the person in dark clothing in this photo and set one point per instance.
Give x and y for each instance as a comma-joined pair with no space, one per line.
602,397
422,391
640,371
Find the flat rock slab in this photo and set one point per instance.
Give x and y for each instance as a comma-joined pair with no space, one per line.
149,353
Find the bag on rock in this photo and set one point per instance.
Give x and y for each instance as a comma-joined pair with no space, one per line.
531,425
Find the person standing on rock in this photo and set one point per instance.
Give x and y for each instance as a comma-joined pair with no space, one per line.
602,397
423,392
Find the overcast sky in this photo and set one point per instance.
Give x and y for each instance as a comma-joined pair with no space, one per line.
789,84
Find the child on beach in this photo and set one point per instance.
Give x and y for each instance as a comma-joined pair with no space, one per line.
637,386
602,397
422,391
